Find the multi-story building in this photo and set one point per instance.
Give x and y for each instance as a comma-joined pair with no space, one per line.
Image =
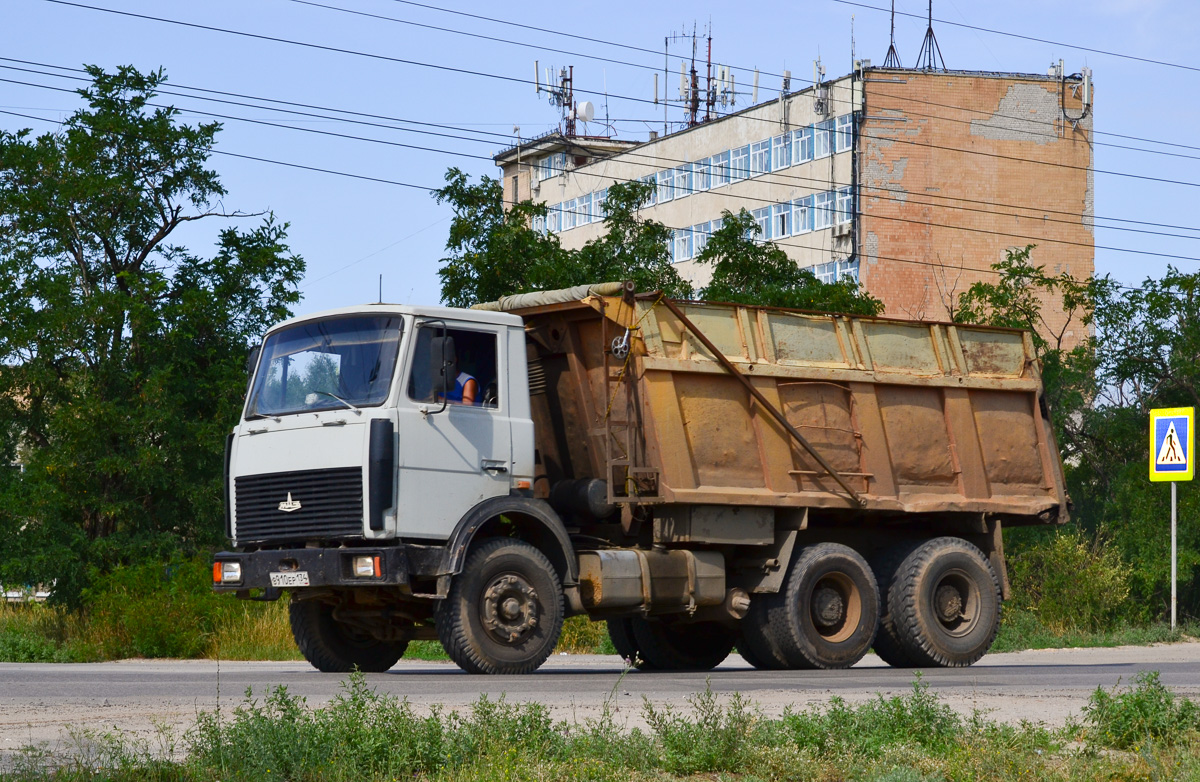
912,181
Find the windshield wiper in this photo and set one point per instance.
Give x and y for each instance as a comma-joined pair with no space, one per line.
343,401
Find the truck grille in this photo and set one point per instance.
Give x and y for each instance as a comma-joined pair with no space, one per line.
331,505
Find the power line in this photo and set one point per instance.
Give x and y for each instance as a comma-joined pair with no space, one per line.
592,92
745,69
1030,38
743,198
510,202
777,176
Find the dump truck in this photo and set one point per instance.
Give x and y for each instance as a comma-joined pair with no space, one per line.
800,486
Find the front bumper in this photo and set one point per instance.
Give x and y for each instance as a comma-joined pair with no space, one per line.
332,567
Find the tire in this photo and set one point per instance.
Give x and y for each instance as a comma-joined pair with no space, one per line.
620,632
674,645
945,604
830,608
334,647
757,644
504,611
887,641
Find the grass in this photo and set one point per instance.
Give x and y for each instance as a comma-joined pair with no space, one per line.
1139,732
1021,629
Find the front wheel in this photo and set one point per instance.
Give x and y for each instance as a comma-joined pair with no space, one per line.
336,647
504,611
671,644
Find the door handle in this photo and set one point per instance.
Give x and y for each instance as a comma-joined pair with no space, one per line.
494,465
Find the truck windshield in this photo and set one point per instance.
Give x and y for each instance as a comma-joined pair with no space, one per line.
325,364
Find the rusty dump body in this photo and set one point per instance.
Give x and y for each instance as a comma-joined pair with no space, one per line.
906,423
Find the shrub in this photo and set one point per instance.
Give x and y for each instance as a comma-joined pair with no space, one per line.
1147,713
1070,583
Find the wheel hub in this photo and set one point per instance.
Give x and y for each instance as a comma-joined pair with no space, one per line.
510,608
949,603
828,607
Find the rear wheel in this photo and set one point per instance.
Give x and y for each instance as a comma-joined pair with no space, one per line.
676,645
620,632
830,608
945,604
504,611
336,647
757,643
887,641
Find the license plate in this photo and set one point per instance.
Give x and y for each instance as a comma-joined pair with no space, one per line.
294,578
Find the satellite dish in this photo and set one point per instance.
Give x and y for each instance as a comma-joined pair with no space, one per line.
585,111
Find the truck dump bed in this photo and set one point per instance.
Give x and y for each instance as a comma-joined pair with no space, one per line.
913,417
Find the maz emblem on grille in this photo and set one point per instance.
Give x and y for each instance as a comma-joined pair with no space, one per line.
289,505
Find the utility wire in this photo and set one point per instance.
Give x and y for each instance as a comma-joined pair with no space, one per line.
745,69
1135,58
728,197
513,79
882,193
335,172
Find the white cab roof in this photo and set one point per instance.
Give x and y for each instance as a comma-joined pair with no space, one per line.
449,313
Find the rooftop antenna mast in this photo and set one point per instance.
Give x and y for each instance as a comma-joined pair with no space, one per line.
561,95
893,59
931,53
689,82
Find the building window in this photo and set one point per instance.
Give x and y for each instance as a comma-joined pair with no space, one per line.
515,195
781,150
568,215
587,209
600,205
760,157
683,180
653,198
539,224
552,215
763,218
666,185
781,221
802,215
836,270
700,234
702,174
845,205
822,210
844,138
822,141
739,164
720,169
802,145
683,244
542,169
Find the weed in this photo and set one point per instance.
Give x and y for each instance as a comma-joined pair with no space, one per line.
1140,716
713,738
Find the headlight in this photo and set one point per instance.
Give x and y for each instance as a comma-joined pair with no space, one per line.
227,572
366,567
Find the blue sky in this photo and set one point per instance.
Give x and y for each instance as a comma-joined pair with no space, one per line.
350,231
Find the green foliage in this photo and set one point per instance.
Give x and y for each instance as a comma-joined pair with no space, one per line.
122,357
1146,713
495,252
714,737
869,728
748,271
1117,354
1071,582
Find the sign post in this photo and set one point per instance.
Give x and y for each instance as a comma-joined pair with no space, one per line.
1172,448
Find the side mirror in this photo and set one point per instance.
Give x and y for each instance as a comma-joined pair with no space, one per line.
252,359
443,366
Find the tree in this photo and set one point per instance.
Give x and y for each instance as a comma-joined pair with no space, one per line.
122,355
494,250
748,271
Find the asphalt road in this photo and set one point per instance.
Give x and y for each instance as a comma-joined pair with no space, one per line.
38,702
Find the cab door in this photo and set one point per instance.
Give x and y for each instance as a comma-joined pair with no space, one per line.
452,455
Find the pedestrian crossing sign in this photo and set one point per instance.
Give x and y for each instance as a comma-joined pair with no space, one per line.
1172,443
